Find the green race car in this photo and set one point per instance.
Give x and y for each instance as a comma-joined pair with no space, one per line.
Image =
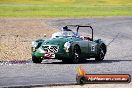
69,46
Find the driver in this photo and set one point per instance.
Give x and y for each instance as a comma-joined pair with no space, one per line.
64,31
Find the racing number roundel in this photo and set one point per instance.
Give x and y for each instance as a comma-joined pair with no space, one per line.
93,48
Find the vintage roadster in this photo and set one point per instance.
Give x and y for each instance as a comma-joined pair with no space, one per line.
69,46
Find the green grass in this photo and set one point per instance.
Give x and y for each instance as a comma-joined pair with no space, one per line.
91,2
65,8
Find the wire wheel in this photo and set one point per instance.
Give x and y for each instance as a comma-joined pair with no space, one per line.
100,55
76,54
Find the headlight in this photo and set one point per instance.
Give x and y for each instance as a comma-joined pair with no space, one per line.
67,46
34,44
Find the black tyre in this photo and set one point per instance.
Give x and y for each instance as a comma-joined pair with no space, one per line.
76,54
101,54
36,60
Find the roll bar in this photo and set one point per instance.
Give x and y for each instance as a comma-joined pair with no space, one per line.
78,26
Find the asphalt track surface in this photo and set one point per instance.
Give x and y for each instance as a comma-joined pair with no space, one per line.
118,59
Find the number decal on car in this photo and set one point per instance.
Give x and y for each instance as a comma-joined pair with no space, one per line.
49,55
93,48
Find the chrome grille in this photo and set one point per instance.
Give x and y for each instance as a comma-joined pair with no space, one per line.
50,48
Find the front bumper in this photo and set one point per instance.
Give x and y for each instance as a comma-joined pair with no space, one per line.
59,56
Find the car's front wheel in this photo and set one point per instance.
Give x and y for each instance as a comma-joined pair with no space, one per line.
36,60
76,54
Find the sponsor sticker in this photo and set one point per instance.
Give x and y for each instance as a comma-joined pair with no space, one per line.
82,77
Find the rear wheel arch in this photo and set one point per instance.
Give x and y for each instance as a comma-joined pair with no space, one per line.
101,45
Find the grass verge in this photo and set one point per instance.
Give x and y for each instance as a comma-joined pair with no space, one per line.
64,10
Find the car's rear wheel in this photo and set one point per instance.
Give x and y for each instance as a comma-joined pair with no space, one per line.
76,54
36,60
101,54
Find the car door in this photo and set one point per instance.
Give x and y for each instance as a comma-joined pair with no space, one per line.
84,47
